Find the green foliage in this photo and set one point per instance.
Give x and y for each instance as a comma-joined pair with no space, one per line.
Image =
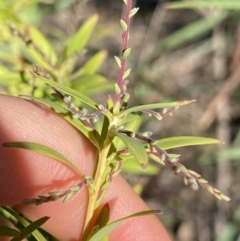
224,4
79,40
191,31
180,141
55,83
30,227
24,48
47,151
103,232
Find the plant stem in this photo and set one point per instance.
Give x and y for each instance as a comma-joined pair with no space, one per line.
101,163
125,38
101,166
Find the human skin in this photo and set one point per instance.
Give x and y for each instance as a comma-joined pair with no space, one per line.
25,174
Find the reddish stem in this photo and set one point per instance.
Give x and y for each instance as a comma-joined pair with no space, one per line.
125,37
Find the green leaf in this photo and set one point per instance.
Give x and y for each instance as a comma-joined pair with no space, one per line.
14,213
103,217
230,153
43,44
32,227
101,221
103,232
68,91
130,166
155,106
136,148
90,134
10,78
72,92
9,232
80,38
47,151
131,123
91,83
130,118
191,31
94,62
225,4
180,141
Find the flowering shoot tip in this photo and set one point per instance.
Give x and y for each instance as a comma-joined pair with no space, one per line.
126,98
76,116
133,134
95,119
101,107
126,52
126,73
118,61
133,12
117,89
116,108
67,99
123,25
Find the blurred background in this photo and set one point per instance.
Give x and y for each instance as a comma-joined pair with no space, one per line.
177,54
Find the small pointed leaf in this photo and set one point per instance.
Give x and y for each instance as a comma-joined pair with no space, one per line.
80,39
155,106
33,226
136,148
91,83
19,217
45,150
103,216
94,62
180,141
101,221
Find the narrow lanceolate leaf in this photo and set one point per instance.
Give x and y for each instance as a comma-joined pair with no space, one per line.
155,106
68,91
21,219
103,232
44,45
94,62
34,226
45,150
136,148
91,84
180,141
9,232
191,31
80,39
225,4
68,117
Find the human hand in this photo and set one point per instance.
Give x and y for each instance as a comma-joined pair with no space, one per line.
25,174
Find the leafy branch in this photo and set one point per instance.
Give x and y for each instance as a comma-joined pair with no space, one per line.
84,113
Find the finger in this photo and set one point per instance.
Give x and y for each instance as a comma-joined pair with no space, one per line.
25,174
